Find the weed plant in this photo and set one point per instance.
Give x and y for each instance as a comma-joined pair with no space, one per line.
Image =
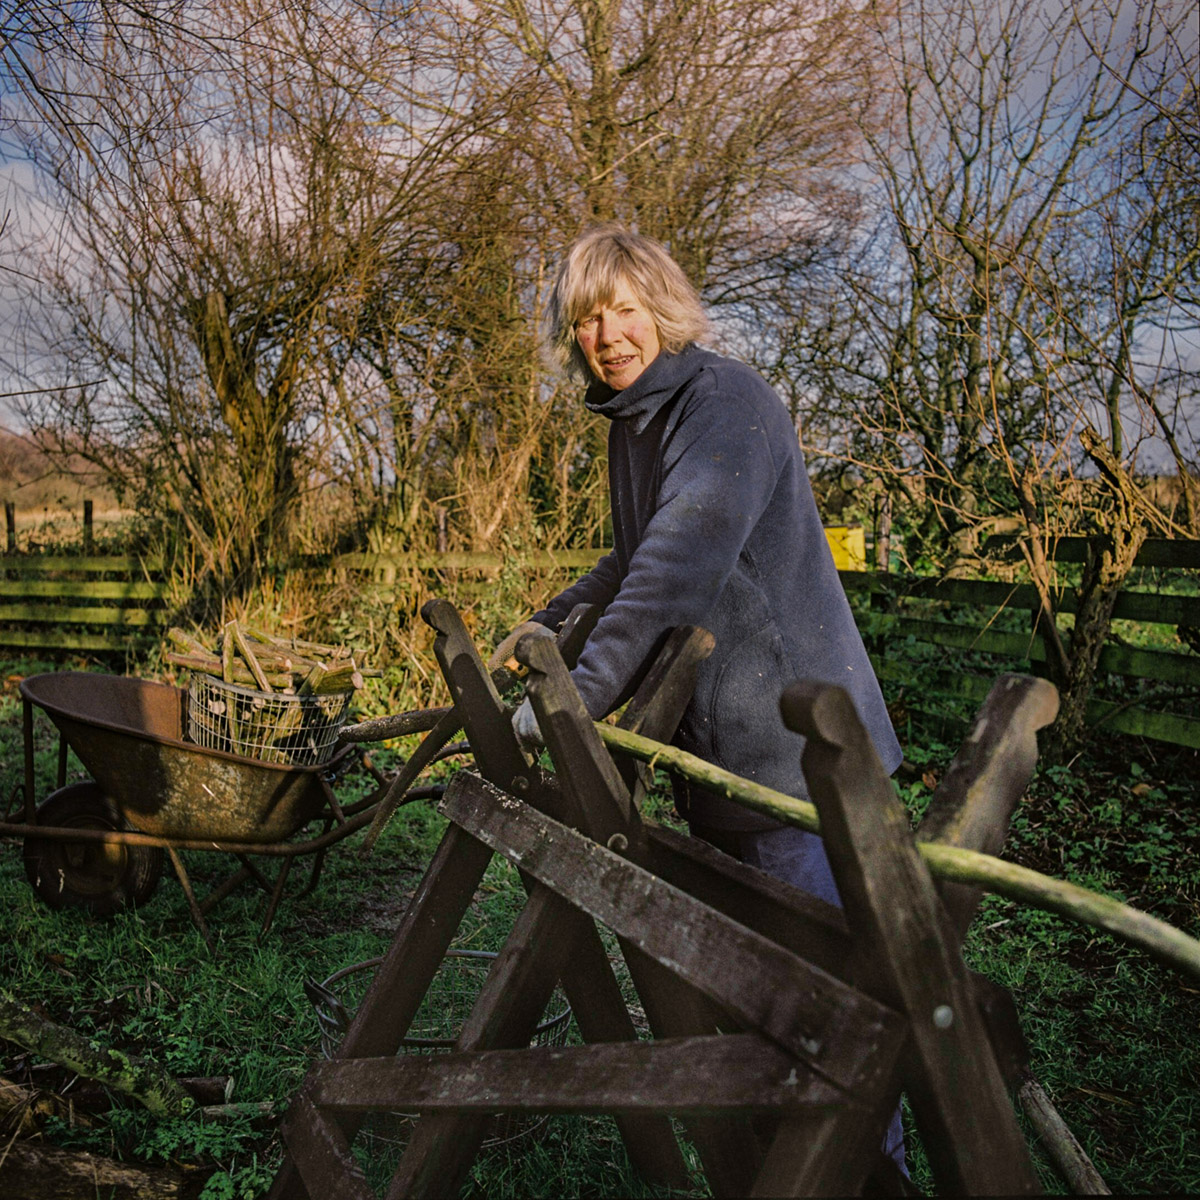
1113,1036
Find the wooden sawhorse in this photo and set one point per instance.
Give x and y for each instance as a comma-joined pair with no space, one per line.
783,1029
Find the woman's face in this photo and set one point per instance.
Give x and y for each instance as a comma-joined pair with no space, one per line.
619,339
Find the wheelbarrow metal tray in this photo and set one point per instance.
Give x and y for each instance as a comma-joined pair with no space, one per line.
128,733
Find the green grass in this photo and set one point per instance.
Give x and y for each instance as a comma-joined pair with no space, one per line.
1113,1036
146,982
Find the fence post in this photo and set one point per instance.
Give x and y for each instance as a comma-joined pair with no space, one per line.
10,520
89,541
883,532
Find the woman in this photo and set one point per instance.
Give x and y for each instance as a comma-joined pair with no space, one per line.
714,524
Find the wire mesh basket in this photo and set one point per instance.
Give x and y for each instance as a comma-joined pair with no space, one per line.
434,1029
296,731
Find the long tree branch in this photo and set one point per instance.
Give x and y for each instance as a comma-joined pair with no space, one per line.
1164,941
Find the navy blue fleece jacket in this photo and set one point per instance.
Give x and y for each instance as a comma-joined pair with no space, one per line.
714,524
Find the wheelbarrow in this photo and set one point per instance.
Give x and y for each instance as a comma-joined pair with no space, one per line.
100,843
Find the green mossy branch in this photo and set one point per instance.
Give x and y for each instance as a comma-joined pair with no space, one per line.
136,1077
1163,941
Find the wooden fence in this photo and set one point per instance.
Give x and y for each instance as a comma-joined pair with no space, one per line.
974,619
81,603
107,604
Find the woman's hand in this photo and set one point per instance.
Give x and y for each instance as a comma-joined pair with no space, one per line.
525,726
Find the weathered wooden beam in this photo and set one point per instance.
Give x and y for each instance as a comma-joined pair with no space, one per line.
601,1015
463,560
972,807
1180,553
779,912
659,703
56,614
513,998
836,1028
595,803
906,953
598,802
391,1001
50,639
1165,666
586,772
675,1075
951,863
320,1162
1131,606
476,701
104,564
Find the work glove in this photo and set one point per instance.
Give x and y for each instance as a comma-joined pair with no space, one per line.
525,726
504,651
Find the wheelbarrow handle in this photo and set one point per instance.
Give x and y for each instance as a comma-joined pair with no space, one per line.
379,729
419,720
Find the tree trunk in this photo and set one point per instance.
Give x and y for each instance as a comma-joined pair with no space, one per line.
1110,559
138,1077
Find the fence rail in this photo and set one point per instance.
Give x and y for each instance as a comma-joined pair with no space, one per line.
90,603
97,604
968,616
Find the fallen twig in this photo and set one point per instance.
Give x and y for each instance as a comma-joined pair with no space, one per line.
1060,1143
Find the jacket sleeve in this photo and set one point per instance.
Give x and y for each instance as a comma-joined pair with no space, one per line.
719,474
598,586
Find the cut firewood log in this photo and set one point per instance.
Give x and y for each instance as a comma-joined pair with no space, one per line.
184,643
244,649
269,664
312,680
300,646
210,665
35,1169
227,654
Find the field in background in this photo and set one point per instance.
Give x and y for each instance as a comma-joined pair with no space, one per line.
47,498
51,528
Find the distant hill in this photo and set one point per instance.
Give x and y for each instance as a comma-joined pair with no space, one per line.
34,484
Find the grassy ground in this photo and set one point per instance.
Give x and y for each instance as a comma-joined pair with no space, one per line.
1113,1036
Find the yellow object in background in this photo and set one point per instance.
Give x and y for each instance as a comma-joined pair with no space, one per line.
849,546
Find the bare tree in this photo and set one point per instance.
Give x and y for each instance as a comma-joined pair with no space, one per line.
707,124
246,177
309,242
1030,253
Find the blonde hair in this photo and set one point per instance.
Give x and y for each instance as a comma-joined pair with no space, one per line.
595,266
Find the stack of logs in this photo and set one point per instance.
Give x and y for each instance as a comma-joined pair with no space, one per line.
286,666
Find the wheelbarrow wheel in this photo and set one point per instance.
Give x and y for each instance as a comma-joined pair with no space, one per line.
99,877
